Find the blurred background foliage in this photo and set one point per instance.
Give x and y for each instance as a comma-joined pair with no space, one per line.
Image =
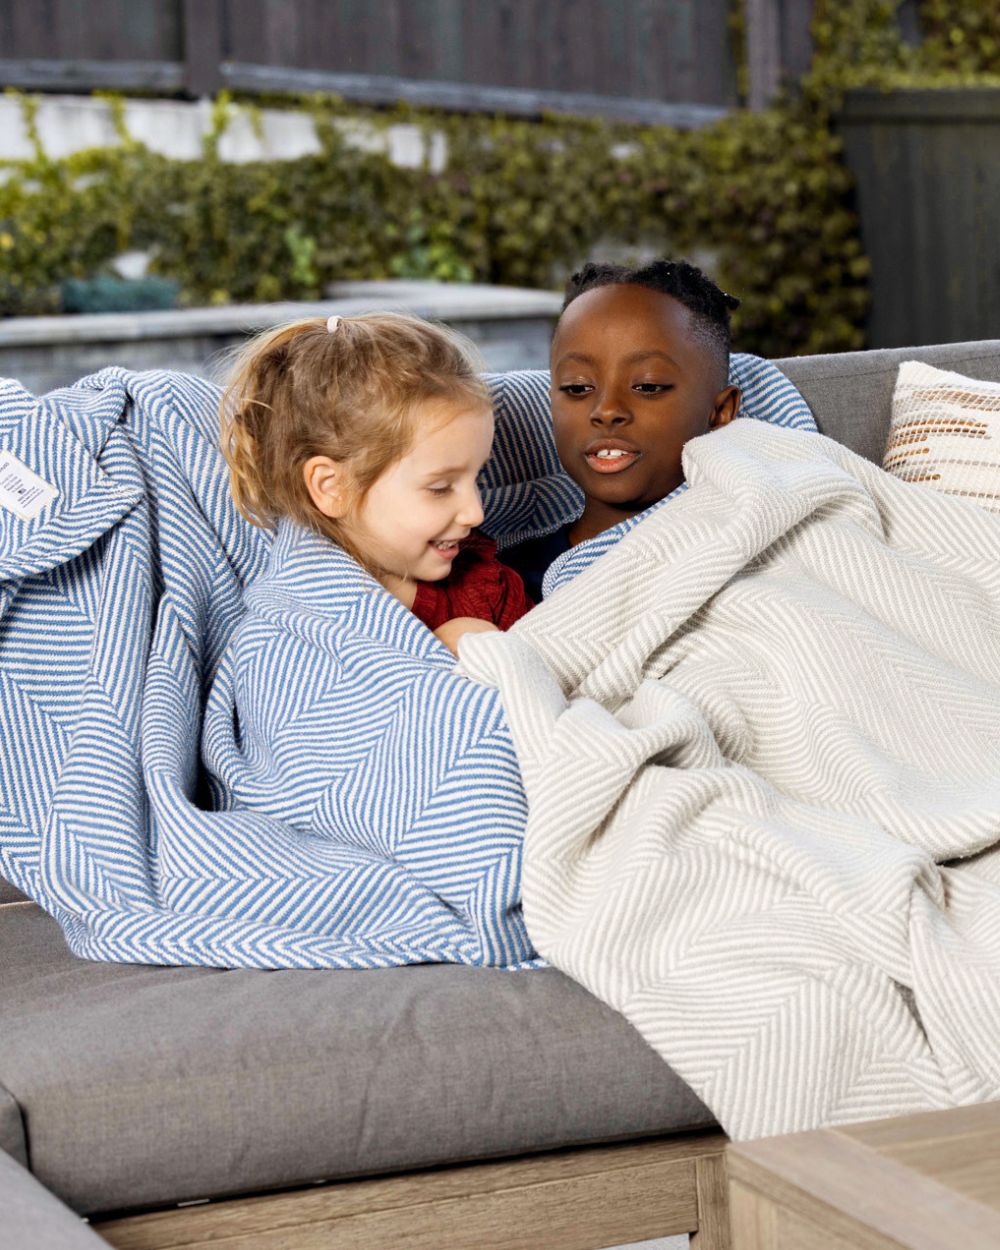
761,200
858,43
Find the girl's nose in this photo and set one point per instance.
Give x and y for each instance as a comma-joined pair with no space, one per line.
470,512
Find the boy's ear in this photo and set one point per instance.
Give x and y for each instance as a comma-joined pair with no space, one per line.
726,407
328,483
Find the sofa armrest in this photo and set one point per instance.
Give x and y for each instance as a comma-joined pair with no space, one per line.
33,1217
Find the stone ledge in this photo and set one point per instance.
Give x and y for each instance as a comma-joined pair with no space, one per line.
438,301
510,326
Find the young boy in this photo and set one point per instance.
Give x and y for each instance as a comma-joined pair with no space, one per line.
640,365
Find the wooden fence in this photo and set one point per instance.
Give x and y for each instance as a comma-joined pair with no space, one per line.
927,169
669,61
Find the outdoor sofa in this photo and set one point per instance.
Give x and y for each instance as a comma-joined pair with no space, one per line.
427,1106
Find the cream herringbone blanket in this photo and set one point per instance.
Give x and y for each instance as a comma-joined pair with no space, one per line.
761,745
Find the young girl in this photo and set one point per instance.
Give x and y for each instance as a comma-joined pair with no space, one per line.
380,787
372,430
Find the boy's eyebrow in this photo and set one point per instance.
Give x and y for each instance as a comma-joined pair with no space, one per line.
637,356
634,359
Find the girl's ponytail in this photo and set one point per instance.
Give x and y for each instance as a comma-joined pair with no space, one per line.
256,421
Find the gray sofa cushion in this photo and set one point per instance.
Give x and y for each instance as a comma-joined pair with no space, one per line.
12,1137
32,1218
143,1085
850,393
131,1085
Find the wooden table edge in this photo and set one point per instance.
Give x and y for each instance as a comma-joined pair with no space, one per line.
837,1181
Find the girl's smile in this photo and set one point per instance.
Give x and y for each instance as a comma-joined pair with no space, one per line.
449,548
411,523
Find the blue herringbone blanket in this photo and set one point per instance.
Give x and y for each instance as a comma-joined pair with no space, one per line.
290,777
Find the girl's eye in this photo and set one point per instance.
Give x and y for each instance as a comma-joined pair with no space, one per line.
439,490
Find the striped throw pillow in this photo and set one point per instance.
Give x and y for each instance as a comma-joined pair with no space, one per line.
945,433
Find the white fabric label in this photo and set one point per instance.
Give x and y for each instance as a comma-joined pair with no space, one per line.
21,491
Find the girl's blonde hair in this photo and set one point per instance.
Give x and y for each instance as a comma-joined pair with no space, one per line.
350,393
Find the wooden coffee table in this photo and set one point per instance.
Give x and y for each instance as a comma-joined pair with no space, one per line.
921,1182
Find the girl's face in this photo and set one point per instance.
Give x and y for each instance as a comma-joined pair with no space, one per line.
411,521
631,383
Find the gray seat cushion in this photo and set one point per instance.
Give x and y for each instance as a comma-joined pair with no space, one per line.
10,893
850,393
32,1218
147,1086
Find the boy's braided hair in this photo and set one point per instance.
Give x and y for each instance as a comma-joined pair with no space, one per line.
709,305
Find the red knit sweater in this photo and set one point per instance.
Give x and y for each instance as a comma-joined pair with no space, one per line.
478,585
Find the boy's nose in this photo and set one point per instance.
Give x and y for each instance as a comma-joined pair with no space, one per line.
610,411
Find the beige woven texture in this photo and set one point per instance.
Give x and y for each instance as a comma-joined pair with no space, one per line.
945,433
760,740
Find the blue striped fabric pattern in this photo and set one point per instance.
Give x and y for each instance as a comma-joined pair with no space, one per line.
368,808
398,777
525,491
228,748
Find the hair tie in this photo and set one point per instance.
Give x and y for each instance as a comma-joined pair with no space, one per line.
332,323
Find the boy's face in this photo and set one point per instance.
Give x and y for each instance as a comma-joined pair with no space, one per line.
630,385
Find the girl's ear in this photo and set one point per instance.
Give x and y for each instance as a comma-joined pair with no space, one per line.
328,484
725,408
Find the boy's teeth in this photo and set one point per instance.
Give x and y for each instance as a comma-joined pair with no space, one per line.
611,453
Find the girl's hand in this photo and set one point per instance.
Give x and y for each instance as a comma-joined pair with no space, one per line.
450,632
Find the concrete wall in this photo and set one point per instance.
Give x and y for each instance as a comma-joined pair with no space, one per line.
511,327
175,128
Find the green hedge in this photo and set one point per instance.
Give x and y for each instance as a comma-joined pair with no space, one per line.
857,43
763,199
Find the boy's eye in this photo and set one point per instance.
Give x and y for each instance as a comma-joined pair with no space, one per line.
576,388
652,388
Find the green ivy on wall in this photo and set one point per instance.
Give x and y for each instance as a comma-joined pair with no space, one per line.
858,43
961,37
762,200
